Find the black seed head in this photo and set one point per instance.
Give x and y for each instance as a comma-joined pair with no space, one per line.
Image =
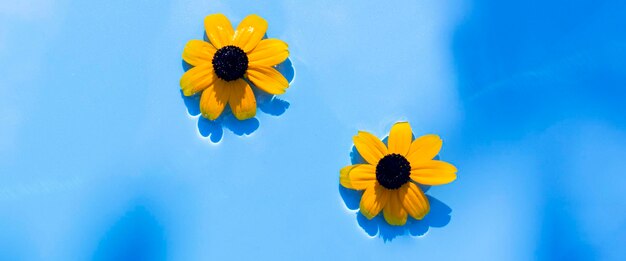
393,171
230,63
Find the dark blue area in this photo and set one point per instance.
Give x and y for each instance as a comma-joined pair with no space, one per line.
136,236
523,65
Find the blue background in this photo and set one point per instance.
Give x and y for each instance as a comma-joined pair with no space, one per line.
102,159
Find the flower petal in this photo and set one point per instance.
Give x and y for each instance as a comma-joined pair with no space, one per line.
373,200
268,79
424,148
394,212
344,178
413,200
400,138
218,30
197,79
197,52
358,176
268,52
242,101
433,172
250,32
214,99
370,147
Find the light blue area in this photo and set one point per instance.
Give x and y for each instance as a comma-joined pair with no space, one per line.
101,158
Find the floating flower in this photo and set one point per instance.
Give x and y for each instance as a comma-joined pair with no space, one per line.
391,177
223,66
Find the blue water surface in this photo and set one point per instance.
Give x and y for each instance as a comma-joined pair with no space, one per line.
102,158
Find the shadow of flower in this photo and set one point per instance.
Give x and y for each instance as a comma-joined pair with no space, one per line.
439,216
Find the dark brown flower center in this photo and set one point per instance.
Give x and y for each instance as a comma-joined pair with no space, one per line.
230,63
393,171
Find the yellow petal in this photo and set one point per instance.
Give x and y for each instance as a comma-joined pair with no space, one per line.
433,172
424,148
197,52
400,138
250,32
218,30
373,200
214,99
394,211
242,101
344,178
413,200
358,176
197,79
268,52
370,147
268,79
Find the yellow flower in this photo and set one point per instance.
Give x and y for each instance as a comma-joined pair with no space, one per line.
390,178
222,66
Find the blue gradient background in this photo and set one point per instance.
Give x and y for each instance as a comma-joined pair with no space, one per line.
101,159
